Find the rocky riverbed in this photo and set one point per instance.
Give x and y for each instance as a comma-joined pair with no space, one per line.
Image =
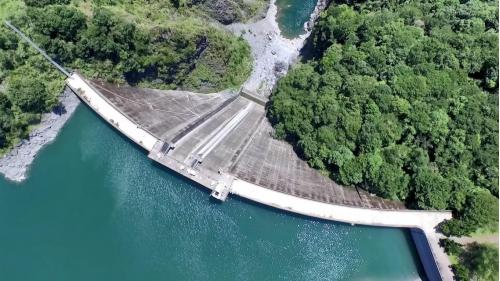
273,53
15,164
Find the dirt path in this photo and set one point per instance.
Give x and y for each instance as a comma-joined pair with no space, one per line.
482,238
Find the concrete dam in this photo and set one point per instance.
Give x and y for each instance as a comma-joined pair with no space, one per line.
213,138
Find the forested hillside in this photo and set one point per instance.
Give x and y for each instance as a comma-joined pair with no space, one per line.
162,44
401,98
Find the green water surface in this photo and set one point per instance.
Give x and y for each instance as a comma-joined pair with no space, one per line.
292,14
95,208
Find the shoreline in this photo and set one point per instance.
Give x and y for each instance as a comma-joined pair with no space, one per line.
321,5
15,164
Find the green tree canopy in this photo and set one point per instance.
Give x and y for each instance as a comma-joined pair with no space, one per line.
401,98
27,93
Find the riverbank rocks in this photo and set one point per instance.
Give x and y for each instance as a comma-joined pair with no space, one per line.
15,164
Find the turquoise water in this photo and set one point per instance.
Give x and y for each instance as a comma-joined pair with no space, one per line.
292,14
95,208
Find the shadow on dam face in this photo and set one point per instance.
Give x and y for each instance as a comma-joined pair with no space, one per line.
425,254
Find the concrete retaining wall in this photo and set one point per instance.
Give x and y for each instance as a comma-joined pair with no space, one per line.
109,113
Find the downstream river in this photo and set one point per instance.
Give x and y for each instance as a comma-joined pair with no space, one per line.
95,208
292,14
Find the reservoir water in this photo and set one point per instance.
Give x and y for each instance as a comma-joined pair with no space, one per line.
94,207
292,14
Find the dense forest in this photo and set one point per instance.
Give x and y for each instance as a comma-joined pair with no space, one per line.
401,98
171,44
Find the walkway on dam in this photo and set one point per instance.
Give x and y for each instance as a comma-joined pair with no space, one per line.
224,140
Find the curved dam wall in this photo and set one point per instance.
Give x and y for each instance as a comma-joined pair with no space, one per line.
421,223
